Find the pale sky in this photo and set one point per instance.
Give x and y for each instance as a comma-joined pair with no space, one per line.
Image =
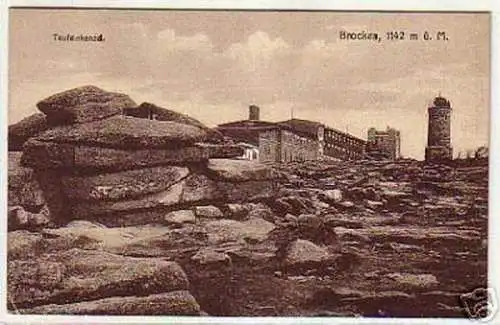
213,64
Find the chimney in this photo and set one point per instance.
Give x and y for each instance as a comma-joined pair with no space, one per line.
253,113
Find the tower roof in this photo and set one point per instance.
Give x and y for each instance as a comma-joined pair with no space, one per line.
440,101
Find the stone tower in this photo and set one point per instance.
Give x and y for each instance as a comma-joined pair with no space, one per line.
439,131
253,113
385,144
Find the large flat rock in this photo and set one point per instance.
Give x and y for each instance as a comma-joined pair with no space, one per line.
178,303
123,185
152,111
81,275
83,104
126,132
239,170
149,240
196,188
82,234
223,150
49,155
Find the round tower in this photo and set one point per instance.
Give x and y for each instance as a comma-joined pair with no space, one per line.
439,131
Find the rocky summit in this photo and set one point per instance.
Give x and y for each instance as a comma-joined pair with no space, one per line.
83,104
128,215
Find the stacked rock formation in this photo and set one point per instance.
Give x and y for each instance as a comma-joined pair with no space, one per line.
120,169
90,161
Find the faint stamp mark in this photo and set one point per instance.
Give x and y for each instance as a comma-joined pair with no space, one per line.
481,304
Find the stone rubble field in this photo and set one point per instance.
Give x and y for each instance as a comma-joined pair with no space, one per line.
119,215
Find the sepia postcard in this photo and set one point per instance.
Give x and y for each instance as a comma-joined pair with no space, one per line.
205,163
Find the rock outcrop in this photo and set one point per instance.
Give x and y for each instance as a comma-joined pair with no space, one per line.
27,128
152,111
122,210
82,275
94,167
83,104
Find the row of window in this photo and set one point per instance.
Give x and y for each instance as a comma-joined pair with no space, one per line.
342,139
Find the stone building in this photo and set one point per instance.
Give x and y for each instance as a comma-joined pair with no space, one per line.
246,131
271,142
294,139
439,131
282,144
384,144
310,130
343,146
330,142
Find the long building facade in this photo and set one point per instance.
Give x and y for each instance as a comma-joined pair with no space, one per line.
282,144
331,142
294,139
343,146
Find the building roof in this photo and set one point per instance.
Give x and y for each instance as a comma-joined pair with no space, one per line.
306,127
245,130
441,101
248,130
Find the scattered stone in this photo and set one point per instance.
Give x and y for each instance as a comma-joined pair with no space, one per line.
223,230
236,211
302,253
374,205
311,227
208,211
414,280
332,196
332,221
22,219
346,205
178,218
290,218
83,104
209,257
262,213
292,204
